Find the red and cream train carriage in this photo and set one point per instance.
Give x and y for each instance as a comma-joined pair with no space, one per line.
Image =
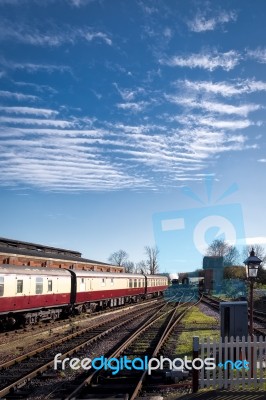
107,289
29,294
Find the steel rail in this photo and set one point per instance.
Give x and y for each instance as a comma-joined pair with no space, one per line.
44,367
163,339
123,346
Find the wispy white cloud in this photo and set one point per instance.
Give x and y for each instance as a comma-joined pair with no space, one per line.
258,54
212,106
128,94
168,33
54,37
262,160
75,3
37,87
98,35
80,3
224,88
134,107
17,96
231,124
242,110
36,121
205,60
202,23
59,155
32,67
29,111
148,9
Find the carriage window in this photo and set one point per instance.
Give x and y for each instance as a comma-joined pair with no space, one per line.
39,286
135,282
50,286
1,286
130,283
20,286
112,281
103,282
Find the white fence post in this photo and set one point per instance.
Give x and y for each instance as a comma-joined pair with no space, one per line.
232,356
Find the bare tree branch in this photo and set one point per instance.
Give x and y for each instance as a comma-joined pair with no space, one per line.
152,259
119,257
220,248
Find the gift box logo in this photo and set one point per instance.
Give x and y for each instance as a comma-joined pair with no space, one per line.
183,236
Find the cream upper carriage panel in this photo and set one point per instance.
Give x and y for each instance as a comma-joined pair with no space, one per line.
29,281
100,281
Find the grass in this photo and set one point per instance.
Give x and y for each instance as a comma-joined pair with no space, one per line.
184,345
196,316
193,319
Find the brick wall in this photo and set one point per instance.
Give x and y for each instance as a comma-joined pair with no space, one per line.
20,260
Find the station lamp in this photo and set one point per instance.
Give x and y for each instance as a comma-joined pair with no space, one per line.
252,265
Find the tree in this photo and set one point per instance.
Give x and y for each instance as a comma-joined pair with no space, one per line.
235,272
259,252
220,248
129,267
152,259
141,267
119,257
231,257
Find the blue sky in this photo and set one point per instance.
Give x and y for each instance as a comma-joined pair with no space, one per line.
111,109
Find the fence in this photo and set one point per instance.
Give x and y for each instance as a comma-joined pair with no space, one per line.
239,363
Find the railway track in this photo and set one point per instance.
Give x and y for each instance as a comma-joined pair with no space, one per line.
19,343
21,371
15,373
146,341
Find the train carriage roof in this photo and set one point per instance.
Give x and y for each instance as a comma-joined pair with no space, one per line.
93,274
25,270
14,269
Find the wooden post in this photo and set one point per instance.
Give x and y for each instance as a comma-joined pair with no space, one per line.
195,372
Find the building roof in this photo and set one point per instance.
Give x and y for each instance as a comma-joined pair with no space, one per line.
11,246
36,246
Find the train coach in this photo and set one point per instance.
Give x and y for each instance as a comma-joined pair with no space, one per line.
29,294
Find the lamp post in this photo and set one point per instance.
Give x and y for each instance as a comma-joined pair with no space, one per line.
252,265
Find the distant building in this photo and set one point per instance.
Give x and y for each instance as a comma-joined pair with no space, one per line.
36,255
213,272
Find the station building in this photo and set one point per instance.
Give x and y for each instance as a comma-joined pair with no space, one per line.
213,267
20,253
